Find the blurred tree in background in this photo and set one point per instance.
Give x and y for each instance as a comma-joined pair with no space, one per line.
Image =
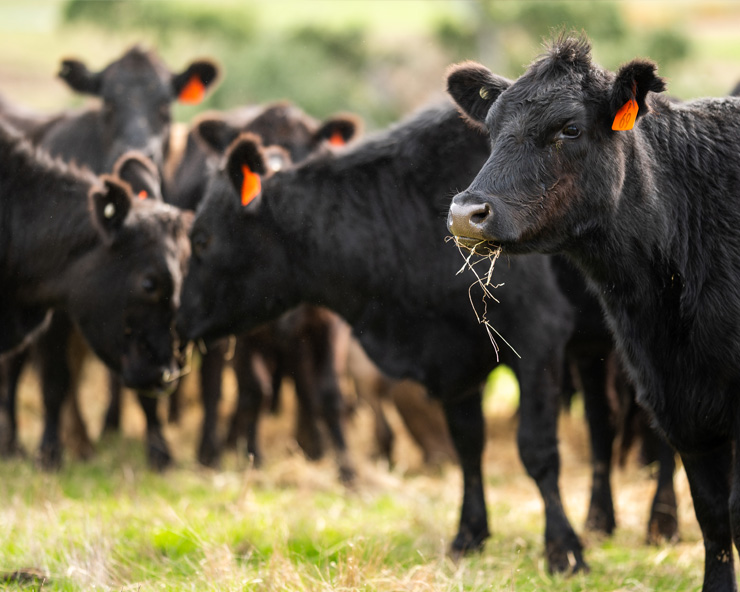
378,59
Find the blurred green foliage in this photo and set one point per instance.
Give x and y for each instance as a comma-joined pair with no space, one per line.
230,21
322,70
507,32
326,69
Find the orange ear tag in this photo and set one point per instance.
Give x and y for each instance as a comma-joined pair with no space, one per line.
337,139
627,114
251,186
193,92
143,194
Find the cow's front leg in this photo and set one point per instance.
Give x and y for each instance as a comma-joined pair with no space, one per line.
467,428
538,448
710,489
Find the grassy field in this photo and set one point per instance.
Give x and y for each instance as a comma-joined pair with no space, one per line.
110,524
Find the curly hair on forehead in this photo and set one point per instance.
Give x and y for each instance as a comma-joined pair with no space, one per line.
568,52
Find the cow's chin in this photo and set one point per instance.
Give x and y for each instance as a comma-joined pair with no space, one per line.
145,376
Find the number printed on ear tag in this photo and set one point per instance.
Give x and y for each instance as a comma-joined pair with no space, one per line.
627,114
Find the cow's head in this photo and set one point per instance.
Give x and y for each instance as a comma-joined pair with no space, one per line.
237,249
137,91
556,162
126,290
281,124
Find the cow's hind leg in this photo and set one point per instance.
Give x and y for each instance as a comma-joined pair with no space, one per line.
467,428
253,378
663,522
708,480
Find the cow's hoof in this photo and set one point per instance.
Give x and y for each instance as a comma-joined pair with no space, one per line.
467,542
158,453
601,520
49,459
567,559
662,528
209,456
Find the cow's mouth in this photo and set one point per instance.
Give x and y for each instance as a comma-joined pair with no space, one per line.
478,246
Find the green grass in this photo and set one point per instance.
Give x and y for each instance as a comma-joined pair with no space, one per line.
110,524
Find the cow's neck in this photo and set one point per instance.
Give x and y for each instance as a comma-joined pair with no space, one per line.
332,260
661,264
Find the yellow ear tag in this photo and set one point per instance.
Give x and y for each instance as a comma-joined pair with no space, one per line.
337,139
251,186
193,92
627,114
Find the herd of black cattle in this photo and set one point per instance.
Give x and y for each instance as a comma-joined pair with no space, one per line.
266,220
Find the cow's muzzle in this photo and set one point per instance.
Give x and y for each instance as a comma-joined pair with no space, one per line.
468,221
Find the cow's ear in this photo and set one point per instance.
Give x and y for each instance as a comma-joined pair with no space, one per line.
634,81
141,174
246,166
190,85
474,88
79,78
215,133
338,130
110,204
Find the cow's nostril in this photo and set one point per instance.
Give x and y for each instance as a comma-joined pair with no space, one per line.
468,219
479,215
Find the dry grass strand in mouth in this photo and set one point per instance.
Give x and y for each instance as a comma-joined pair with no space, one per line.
486,284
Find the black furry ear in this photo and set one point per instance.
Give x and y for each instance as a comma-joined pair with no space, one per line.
79,78
110,205
215,133
190,85
338,130
245,166
141,174
474,88
634,81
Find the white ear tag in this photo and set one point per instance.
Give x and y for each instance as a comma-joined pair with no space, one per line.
275,162
109,211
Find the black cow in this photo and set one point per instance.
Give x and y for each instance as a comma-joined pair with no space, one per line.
362,232
86,246
639,193
278,124
304,344
136,93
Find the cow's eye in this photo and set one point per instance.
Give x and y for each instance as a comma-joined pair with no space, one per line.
149,285
200,244
570,131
